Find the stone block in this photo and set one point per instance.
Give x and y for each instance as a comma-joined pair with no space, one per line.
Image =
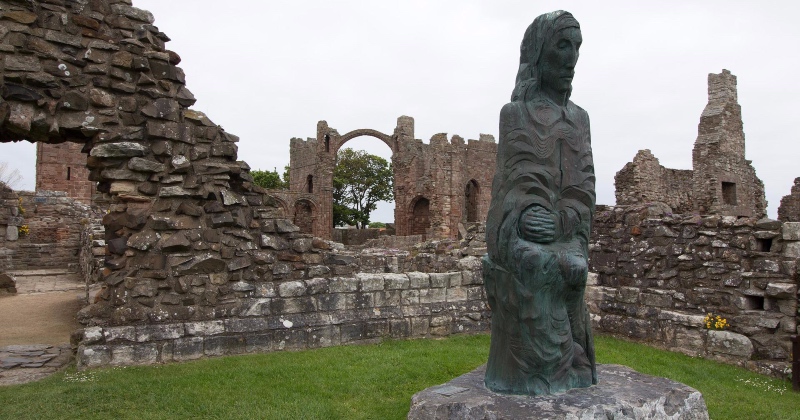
324,337
791,249
189,348
439,279
292,289
396,281
138,354
245,325
791,231
729,343
456,294
255,343
370,282
419,280
93,356
146,333
204,328
621,393
223,345
119,334
12,233
781,290
292,339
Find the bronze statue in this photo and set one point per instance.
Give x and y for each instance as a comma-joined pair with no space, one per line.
539,223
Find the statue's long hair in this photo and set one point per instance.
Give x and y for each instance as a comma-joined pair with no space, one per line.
542,29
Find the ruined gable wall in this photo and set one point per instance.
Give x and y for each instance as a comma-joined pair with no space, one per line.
658,276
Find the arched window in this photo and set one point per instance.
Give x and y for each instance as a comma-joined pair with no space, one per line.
471,201
327,143
420,217
310,183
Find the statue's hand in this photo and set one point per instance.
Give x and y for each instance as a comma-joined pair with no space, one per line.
538,224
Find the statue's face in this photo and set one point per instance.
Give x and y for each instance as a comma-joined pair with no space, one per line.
558,59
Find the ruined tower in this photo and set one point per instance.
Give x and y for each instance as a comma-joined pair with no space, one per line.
721,181
724,181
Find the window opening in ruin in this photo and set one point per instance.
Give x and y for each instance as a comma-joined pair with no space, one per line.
471,201
763,245
310,183
69,173
327,143
304,216
420,217
753,303
729,193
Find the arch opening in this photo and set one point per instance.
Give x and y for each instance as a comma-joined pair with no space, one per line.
304,216
420,216
471,198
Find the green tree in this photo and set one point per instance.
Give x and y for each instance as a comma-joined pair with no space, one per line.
360,180
270,179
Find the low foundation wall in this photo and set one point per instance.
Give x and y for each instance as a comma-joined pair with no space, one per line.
304,314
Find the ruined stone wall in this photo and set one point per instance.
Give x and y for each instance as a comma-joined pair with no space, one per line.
659,275
10,221
62,167
187,234
644,180
789,210
356,298
53,223
92,251
356,236
440,173
721,181
437,173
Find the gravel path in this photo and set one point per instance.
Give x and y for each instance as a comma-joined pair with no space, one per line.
36,323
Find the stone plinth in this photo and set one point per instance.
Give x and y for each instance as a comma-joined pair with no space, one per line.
621,393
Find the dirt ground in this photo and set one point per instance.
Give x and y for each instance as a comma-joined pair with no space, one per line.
39,318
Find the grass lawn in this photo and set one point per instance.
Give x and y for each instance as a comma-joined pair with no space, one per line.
350,382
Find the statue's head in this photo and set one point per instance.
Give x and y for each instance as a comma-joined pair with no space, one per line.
548,55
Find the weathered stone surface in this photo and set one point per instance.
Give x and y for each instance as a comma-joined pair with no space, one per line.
7,283
791,231
621,393
122,149
729,343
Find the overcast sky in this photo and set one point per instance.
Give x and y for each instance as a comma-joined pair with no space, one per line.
269,70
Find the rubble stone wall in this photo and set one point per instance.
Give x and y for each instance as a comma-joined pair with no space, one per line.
658,276
789,210
644,180
10,221
356,236
48,229
722,181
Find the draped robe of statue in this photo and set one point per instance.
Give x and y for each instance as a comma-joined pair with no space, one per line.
541,337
